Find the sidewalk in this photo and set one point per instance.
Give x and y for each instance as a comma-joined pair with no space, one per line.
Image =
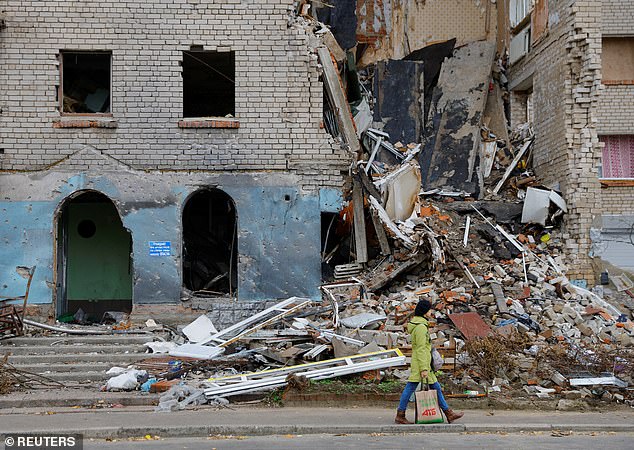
139,421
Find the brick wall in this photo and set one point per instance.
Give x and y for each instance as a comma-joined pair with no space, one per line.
617,17
566,76
616,103
278,92
518,108
615,111
545,65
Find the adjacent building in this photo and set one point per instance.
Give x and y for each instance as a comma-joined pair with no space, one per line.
572,77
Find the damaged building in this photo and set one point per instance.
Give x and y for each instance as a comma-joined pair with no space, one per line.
161,151
572,76
180,154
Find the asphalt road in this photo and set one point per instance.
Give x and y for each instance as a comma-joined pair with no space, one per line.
536,440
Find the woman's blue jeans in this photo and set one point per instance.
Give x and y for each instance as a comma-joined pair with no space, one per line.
410,388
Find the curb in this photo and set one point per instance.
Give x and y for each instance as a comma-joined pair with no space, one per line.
272,430
126,400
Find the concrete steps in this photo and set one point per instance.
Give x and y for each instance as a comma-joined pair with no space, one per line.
115,359
67,397
74,360
74,349
84,340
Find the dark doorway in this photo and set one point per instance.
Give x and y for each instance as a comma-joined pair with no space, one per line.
210,244
94,258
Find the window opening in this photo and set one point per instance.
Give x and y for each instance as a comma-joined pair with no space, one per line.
85,85
208,84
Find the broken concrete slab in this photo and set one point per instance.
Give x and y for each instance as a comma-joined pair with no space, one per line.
504,212
453,129
433,57
398,93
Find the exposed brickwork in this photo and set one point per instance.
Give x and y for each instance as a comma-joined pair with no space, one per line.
278,92
78,123
617,17
616,103
566,70
215,123
518,108
572,108
615,111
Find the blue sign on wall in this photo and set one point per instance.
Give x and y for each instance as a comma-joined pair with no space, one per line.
160,248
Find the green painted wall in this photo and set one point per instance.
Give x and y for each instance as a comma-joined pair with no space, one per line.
98,267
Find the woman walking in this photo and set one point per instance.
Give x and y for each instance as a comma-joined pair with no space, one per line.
421,365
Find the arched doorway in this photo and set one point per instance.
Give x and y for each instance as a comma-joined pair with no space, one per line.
210,244
94,258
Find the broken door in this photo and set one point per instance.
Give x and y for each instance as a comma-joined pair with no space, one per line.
210,244
94,257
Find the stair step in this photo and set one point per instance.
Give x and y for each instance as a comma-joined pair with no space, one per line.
64,377
101,339
66,368
75,397
73,349
116,359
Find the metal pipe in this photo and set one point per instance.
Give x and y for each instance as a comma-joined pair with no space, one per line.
82,331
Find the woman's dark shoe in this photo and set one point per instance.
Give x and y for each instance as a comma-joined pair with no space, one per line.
401,419
452,416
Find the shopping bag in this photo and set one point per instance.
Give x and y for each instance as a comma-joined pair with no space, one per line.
427,409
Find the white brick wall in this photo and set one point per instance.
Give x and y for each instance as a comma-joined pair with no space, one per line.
616,109
617,17
278,92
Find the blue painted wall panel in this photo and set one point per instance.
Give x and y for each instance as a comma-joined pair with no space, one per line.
26,240
278,236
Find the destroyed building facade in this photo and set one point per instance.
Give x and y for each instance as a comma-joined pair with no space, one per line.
153,146
162,150
572,76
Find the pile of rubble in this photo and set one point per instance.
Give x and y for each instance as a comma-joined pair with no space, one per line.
505,314
468,228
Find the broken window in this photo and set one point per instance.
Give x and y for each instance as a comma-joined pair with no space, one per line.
210,244
618,157
208,84
85,84
519,11
539,19
617,60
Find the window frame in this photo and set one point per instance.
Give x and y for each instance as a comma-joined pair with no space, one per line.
209,121
60,88
625,181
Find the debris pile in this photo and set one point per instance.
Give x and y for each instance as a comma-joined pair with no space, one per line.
455,216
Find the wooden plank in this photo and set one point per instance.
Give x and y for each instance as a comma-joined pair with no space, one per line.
360,240
511,166
339,101
381,234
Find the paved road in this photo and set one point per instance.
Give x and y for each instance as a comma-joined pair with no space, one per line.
529,441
